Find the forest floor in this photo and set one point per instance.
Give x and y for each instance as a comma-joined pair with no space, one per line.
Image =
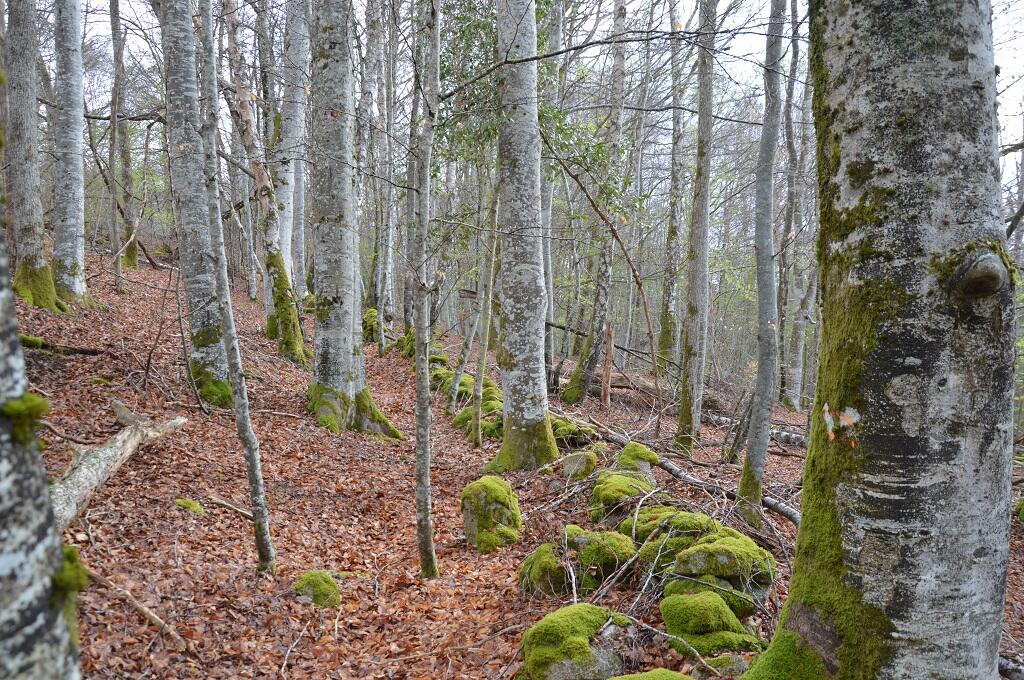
339,502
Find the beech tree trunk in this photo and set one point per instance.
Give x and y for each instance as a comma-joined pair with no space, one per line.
33,275
693,346
68,170
34,637
527,441
902,551
188,190
764,248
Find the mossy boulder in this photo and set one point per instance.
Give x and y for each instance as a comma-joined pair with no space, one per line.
658,554
742,604
613,491
573,643
656,674
579,465
705,621
543,574
319,586
569,434
599,554
672,521
729,555
727,665
636,457
490,514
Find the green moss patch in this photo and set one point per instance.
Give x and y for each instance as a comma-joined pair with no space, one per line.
319,586
35,286
613,490
490,514
70,578
580,465
543,574
283,323
370,325
741,604
25,412
31,341
569,434
729,555
561,645
525,446
212,389
672,520
656,674
636,457
706,623
598,553
192,506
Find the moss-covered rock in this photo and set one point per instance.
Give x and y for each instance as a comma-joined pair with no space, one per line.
599,554
319,586
490,514
671,520
658,554
580,465
613,491
742,604
730,555
572,643
727,665
70,578
637,458
191,506
567,433
705,621
543,574
656,674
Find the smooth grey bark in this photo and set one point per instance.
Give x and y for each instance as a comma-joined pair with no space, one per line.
906,496
338,394
68,170
34,638
386,256
807,288
288,147
265,552
490,239
33,276
767,313
527,440
299,229
551,93
240,195
188,189
116,92
412,154
693,345
428,20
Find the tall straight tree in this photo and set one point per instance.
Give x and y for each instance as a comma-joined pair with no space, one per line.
265,552
906,495
764,249
338,394
69,175
528,441
208,361
34,582
283,317
693,347
33,275
428,20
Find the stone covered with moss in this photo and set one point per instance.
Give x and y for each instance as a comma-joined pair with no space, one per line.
568,433
598,554
730,555
672,520
613,492
656,674
490,514
543,574
636,457
319,586
742,604
705,622
580,465
573,642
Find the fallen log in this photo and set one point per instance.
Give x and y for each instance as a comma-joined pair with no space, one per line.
773,504
92,466
1010,669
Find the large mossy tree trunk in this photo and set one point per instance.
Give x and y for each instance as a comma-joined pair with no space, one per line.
33,275
283,319
527,441
37,589
901,556
68,170
763,400
693,346
208,360
338,394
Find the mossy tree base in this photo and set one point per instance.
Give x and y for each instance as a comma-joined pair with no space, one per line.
213,390
525,447
35,287
336,411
